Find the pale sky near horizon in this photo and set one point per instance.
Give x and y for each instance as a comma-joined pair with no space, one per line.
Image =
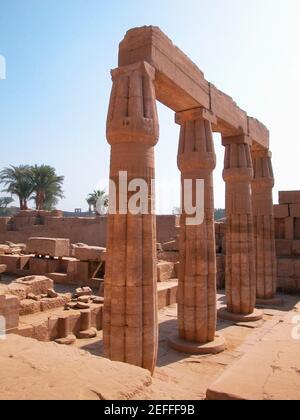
54,101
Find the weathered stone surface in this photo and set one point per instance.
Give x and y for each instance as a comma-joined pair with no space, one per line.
51,293
49,246
3,268
84,291
165,271
263,221
31,363
268,371
281,211
89,253
35,284
52,303
11,261
240,260
289,197
9,309
29,306
284,247
130,329
181,85
197,270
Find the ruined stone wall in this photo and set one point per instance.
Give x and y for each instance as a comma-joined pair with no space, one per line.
89,230
287,231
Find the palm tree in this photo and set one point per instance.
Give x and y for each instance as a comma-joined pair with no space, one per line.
46,186
16,180
98,202
5,201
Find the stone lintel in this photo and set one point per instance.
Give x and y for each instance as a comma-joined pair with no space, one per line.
195,114
238,139
141,65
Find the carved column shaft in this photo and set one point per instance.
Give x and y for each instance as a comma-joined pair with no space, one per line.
130,308
264,230
197,278
240,268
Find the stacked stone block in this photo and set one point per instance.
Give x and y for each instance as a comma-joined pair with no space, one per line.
287,233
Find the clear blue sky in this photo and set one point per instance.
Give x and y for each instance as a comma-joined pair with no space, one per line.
54,101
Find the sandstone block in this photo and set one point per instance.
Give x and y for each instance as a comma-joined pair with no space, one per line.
295,210
61,278
285,267
11,261
29,307
165,271
289,228
289,197
297,269
35,284
38,266
9,309
296,247
283,247
82,271
49,246
281,211
89,253
52,303
18,290
25,331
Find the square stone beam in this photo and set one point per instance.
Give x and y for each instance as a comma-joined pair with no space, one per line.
181,85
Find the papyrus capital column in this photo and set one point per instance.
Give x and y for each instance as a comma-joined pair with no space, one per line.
197,277
263,217
240,267
130,306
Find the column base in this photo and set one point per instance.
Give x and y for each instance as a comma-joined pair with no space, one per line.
275,301
190,347
230,316
66,341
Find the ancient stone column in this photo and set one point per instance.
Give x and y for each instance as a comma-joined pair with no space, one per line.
130,293
240,263
197,278
264,230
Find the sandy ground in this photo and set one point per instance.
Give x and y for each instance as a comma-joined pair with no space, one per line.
53,371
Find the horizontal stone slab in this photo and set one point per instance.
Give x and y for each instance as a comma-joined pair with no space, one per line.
89,253
289,197
48,246
181,85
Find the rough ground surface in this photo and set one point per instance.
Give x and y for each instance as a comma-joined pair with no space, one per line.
260,362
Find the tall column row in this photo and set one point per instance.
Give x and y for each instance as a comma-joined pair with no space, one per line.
130,325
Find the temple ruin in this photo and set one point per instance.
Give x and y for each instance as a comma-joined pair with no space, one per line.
126,285
151,68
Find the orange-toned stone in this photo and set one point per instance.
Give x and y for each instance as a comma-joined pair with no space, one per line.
264,230
130,325
240,266
197,270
